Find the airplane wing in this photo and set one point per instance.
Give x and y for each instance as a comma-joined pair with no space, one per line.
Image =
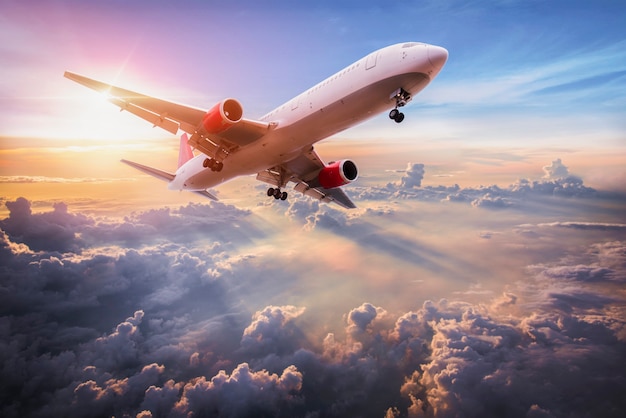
173,116
303,170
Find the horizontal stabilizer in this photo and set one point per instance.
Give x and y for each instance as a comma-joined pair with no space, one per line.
164,175
154,172
206,194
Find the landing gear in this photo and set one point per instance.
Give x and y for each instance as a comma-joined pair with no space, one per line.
402,97
278,177
396,115
277,194
213,164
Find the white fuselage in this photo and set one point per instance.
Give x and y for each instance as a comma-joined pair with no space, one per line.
354,94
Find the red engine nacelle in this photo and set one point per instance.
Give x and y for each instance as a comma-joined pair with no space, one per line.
222,116
338,174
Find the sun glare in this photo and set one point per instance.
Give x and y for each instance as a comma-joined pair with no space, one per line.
90,115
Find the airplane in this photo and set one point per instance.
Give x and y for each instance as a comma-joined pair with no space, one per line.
278,147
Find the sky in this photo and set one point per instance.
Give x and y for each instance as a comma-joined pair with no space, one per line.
482,273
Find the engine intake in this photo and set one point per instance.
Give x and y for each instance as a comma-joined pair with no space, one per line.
222,116
338,174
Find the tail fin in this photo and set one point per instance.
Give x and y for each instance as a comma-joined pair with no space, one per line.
185,153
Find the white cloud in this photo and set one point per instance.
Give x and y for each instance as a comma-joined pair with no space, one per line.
555,171
556,183
413,176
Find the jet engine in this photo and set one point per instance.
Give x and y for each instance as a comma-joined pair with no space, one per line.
338,174
222,116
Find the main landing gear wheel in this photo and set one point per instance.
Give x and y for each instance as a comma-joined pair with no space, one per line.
396,115
213,164
277,194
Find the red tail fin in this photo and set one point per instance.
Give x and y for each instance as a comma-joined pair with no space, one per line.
184,154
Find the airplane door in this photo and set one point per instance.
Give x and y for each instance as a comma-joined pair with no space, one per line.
370,61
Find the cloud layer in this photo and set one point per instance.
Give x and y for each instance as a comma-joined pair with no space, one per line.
557,182
150,316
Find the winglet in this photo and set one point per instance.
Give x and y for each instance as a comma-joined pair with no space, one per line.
185,153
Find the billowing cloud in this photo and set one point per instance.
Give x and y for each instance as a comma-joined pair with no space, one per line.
413,176
165,313
241,393
556,183
490,201
55,230
270,328
556,170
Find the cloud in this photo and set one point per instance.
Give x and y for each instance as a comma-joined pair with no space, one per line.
605,262
241,393
270,328
55,230
72,180
413,176
557,183
361,318
490,201
475,366
556,170
165,327
580,273
328,218
600,226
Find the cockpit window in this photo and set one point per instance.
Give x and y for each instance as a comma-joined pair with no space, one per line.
410,44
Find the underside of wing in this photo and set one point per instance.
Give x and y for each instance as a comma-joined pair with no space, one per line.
305,170
200,124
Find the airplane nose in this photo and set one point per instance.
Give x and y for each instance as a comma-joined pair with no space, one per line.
437,56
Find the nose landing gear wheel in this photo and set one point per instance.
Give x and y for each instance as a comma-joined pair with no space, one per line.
402,97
